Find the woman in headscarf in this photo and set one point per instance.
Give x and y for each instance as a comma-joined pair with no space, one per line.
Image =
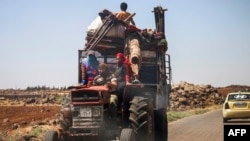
89,68
122,74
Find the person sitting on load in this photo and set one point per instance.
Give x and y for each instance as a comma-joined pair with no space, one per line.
89,68
124,15
106,78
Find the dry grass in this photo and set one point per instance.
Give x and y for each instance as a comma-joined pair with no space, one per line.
175,115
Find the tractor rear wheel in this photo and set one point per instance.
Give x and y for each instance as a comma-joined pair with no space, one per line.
142,118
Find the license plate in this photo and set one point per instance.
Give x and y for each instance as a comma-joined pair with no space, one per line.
85,112
240,105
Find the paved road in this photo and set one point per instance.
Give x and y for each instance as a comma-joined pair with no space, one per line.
205,127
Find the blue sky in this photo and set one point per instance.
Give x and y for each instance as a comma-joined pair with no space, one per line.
209,40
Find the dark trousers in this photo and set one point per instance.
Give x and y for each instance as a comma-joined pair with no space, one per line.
120,91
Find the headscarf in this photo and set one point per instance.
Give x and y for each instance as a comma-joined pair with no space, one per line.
92,60
124,59
127,65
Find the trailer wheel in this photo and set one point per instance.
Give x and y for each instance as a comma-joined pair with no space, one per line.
51,136
127,134
142,118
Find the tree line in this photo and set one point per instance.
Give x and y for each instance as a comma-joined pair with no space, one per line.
45,88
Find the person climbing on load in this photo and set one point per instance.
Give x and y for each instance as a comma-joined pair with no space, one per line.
124,15
122,73
89,68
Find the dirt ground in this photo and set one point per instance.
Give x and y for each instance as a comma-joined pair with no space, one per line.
25,115
18,121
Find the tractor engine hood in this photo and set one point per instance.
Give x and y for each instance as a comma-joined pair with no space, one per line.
94,95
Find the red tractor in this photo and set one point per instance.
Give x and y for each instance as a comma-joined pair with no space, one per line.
85,114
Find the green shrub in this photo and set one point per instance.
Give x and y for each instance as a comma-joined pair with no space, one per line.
16,136
36,131
175,115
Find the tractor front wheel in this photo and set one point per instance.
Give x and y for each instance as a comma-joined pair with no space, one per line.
51,136
127,134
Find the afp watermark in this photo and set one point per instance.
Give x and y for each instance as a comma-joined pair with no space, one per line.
236,132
